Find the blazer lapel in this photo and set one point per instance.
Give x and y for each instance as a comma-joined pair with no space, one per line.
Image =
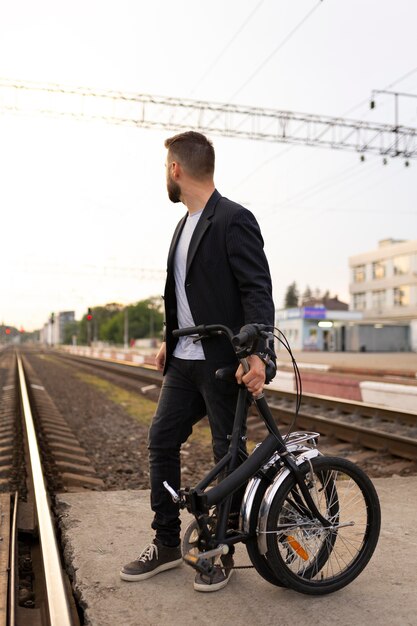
203,224
174,242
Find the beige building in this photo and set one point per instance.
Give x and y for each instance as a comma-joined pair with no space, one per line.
383,285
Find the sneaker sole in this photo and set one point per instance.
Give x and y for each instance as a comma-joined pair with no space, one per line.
145,575
215,587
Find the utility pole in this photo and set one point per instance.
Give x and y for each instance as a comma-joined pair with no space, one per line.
52,322
126,329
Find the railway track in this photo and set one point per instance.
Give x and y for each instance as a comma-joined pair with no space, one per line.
29,593
370,426
34,589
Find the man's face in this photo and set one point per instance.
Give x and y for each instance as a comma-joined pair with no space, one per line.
173,188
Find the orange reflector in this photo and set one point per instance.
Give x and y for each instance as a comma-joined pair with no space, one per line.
297,547
190,558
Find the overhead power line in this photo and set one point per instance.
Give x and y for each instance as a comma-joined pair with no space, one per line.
403,77
148,274
229,120
227,46
276,49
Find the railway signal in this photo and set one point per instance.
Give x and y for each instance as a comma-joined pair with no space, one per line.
89,322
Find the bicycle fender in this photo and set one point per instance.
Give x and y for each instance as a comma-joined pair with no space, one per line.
270,494
247,503
247,510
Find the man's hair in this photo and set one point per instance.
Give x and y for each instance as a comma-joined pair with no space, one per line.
195,153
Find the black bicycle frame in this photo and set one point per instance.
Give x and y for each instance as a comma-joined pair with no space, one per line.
221,494
199,501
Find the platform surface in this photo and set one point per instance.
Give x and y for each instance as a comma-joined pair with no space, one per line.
104,530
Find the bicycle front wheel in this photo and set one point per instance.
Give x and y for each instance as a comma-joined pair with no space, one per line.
305,555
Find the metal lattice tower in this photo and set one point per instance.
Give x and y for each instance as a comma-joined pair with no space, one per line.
229,120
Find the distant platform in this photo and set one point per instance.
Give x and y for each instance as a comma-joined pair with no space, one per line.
104,530
381,362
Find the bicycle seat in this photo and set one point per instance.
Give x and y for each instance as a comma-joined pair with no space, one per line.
228,373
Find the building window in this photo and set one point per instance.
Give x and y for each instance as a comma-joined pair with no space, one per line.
401,265
359,301
402,296
312,336
378,299
359,274
379,270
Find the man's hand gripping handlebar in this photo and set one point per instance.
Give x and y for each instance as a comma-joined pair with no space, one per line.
251,347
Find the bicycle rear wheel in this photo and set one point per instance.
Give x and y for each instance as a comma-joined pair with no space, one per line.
302,553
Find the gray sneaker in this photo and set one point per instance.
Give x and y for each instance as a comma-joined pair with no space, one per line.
221,576
155,558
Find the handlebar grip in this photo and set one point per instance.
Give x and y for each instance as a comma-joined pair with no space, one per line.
246,336
189,330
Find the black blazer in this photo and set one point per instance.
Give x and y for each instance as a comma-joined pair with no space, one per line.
227,275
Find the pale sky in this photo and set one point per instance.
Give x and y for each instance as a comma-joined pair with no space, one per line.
85,217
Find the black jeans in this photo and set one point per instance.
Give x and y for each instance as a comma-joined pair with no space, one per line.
189,392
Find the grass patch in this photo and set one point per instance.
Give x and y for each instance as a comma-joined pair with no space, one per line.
53,360
140,408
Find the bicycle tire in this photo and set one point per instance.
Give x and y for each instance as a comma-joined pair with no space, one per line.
308,557
258,560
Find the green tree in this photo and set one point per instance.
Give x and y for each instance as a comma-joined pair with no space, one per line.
291,296
101,316
112,329
145,319
71,329
307,295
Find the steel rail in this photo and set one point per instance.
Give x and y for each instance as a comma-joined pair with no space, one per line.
12,564
367,435
351,407
58,606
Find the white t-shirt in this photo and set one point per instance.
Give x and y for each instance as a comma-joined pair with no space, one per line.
185,348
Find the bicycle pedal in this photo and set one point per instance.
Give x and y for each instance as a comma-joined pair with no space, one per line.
203,566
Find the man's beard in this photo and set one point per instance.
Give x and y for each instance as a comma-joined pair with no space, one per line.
174,190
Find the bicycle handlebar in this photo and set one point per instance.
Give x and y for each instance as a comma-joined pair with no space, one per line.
248,335
244,342
203,330
189,330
